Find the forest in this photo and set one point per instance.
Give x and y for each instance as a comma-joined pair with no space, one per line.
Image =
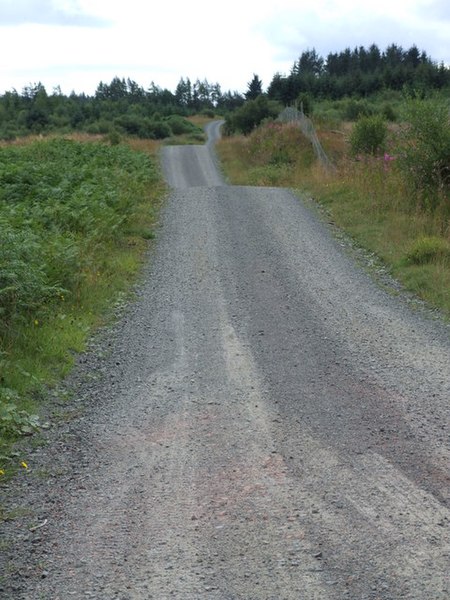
125,107
360,73
121,106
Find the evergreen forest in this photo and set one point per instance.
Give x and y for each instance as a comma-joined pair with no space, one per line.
125,107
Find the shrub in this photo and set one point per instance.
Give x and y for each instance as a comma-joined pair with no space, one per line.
131,124
424,149
276,144
251,114
101,126
305,102
368,135
8,134
14,422
114,138
388,112
427,249
180,126
158,130
354,109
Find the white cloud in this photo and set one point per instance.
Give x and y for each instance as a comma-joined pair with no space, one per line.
66,42
331,26
56,12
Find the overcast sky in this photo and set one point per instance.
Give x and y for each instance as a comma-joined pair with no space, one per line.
78,43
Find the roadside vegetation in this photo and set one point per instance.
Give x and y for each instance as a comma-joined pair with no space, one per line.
390,188
75,220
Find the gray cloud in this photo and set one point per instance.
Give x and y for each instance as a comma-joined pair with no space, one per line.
438,9
291,34
44,12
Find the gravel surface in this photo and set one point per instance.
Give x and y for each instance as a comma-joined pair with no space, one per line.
264,422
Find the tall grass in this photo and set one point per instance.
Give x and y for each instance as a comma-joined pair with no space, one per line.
273,155
371,197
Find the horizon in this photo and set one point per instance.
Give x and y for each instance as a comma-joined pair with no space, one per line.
56,88
75,44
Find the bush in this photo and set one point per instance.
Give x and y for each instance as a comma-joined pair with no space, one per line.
157,130
305,102
251,114
130,124
427,249
180,126
145,128
368,135
101,126
388,112
279,144
355,109
424,149
14,422
114,138
7,134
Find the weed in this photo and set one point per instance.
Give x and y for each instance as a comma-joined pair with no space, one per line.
14,421
16,513
428,249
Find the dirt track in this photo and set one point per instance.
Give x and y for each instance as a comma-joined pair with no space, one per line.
263,423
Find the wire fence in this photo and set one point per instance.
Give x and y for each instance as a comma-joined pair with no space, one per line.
292,115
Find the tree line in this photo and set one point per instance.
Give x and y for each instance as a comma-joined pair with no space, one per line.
122,106
360,72
125,107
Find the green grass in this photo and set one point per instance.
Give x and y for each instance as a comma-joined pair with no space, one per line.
77,217
17,513
370,200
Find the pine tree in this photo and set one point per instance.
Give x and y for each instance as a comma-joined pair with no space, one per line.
254,88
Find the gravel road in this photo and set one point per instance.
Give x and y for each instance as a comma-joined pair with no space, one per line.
264,422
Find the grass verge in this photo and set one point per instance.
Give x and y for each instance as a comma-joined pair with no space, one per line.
368,198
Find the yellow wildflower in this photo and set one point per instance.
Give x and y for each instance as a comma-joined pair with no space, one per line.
24,464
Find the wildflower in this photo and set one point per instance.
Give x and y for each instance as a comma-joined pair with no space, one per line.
387,159
24,464
36,322
2,472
